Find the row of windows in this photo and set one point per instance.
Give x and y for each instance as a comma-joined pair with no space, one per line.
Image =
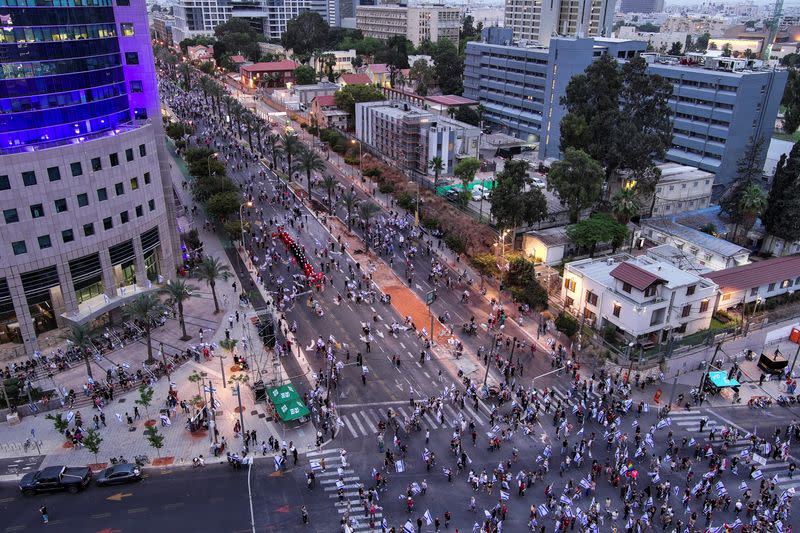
704,120
703,85
701,136
55,84
70,130
54,68
68,235
50,101
56,51
41,34
62,3
63,115
695,151
43,16
699,101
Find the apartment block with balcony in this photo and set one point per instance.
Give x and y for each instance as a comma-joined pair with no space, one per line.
417,24
538,22
646,300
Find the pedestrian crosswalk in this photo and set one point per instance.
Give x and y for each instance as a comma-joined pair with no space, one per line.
338,475
364,422
562,393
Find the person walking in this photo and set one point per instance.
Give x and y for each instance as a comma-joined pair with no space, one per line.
43,512
304,515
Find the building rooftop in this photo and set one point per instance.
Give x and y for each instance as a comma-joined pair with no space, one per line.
451,100
679,258
708,242
756,274
238,59
635,276
355,79
641,269
325,100
272,66
378,68
675,172
551,236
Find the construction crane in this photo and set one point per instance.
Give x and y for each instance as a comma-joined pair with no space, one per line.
773,25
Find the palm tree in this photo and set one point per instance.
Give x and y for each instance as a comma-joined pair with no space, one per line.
310,162
205,86
145,308
366,210
80,336
625,205
291,146
186,73
178,291
437,165
330,183
273,141
210,270
248,122
350,201
752,203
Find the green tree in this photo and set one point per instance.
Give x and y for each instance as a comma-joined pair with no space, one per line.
236,37
154,438
752,202
424,75
367,210
468,115
145,398
92,440
465,170
290,146
782,215
701,45
566,324
177,292
305,33
80,336
210,270
204,188
330,183
305,75
185,72
222,205
436,165
749,170
348,96
675,49
273,141
599,228
625,205
350,202
59,423
524,287
145,308
791,101
309,162
514,200
449,66
578,181
395,54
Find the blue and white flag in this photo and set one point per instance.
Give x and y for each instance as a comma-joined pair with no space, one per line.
408,527
504,495
585,483
692,442
774,478
743,486
542,510
427,516
756,474
399,466
565,500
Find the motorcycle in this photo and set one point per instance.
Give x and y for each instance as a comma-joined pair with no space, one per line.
386,298
470,328
118,461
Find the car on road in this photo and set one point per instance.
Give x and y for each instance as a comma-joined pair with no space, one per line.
538,182
119,474
453,195
54,479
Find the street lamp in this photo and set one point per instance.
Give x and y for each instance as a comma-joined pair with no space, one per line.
502,241
354,141
208,162
248,204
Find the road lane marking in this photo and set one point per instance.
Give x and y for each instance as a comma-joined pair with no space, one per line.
100,515
137,510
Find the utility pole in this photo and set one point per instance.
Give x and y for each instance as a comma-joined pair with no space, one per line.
241,410
489,359
212,425
795,359
708,368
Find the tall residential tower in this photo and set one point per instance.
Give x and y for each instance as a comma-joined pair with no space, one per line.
539,20
87,203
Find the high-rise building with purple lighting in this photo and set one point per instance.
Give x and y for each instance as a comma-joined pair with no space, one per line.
85,190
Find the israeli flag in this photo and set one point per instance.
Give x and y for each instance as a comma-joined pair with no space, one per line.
316,466
585,483
743,486
427,516
408,527
503,496
661,424
756,474
774,479
646,408
565,500
399,466
542,510
692,442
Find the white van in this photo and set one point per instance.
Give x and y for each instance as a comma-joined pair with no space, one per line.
479,191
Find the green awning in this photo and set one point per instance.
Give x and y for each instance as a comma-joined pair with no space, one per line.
283,394
292,410
442,190
720,379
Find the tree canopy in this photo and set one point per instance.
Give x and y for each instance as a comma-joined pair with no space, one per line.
348,96
597,229
782,215
306,33
578,181
449,66
514,200
236,37
424,75
305,75
749,170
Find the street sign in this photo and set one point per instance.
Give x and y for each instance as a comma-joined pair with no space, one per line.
430,297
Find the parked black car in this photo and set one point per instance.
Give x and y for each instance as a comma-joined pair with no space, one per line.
56,478
119,474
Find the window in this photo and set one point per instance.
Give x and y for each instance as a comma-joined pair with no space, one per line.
687,309
53,174
114,158
83,199
131,58
146,177
37,211
569,284
11,216
690,290
151,205
108,223
129,155
139,211
97,165
703,306
102,194
617,309
786,283
650,291
29,178
134,183
727,296
753,291
76,168
67,236
568,301
142,150
126,29
123,2
119,189
136,86
88,229
591,298
140,113
588,314
626,287
681,329
4,183
771,287
44,242
123,217
19,247
61,205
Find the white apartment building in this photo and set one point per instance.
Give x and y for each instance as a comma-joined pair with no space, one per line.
415,23
646,300
343,61
534,20
755,282
682,188
708,250
661,41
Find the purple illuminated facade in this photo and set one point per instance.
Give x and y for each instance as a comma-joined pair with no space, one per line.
85,194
